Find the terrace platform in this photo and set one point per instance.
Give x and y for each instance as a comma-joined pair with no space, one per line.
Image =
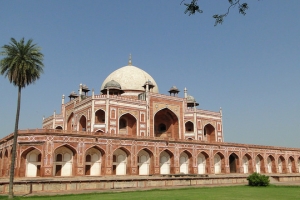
70,185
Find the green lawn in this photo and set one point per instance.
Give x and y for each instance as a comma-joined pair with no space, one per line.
222,193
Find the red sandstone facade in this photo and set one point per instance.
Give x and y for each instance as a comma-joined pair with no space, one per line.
127,130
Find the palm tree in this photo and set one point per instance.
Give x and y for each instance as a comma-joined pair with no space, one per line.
22,65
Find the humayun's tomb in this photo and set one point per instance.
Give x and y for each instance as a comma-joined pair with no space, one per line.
130,129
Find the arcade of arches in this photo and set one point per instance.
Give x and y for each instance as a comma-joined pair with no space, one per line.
96,161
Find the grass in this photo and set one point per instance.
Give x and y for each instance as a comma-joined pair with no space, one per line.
207,193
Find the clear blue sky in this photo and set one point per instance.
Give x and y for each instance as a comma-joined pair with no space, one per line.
249,66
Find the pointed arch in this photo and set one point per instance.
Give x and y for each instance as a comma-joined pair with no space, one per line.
145,161
70,122
259,164
203,163
219,163
247,164
63,160
166,124
209,133
189,127
271,164
93,161
291,168
82,123
281,165
121,161
100,116
30,162
127,125
233,163
185,162
166,161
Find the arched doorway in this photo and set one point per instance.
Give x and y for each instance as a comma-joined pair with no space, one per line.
259,164
58,128
144,162
209,133
281,165
291,165
202,162
166,124
270,164
218,163
119,162
33,163
70,122
189,127
99,117
93,158
184,163
82,123
127,125
247,163
63,161
165,162
233,163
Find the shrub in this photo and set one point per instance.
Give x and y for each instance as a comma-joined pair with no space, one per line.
257,179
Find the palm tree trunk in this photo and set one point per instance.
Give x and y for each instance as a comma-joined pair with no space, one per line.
14,149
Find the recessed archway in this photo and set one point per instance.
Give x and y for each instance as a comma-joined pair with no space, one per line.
70,122
270,164
185,162
281,165
202,163
82,123
166,162
120,160
291,165
219,163
93,160
166,124
233,163
247,164
209,133
259,164
99,117
189,127
63,161
128,125
145,162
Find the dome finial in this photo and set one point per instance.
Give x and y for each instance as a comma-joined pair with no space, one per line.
129,61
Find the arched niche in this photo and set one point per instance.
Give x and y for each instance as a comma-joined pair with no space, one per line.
128,125
166,124
209,133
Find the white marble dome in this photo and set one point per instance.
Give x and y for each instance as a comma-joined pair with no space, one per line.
130,78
